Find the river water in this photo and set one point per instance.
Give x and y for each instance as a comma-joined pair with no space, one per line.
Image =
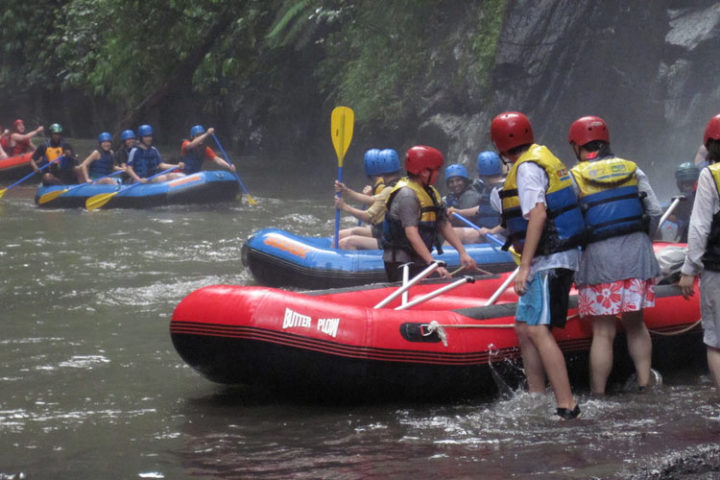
92,387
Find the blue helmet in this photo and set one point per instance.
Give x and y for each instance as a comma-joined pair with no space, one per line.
456,170
145,131
126,135
380,162
488,163
196,130
104,137
371,161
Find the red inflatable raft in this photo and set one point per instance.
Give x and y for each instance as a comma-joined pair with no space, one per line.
12,168
335,344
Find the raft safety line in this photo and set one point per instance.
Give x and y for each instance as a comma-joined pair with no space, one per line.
435,327
678,332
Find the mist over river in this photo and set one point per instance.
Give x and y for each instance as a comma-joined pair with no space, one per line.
91,387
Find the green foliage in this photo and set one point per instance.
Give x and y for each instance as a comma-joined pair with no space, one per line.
485,41
378,58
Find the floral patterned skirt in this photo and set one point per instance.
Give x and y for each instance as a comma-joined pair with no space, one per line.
613,298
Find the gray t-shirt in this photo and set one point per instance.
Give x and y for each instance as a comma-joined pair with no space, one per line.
625,256
405,207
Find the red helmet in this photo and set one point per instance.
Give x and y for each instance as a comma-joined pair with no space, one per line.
420,158
588,129
712,130
18,122
509,130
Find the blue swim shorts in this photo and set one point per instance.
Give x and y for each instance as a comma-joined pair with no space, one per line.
546,300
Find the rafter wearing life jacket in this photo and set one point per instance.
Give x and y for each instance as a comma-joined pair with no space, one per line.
564,227
609,197
430,203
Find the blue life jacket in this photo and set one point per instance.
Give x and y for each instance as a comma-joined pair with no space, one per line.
144,161
103,166
487,216
609,198
193,159
564,228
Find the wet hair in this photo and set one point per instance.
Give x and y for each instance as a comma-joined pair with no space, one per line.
713,148
603,148
518,149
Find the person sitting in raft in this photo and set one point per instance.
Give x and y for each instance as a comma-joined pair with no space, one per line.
20,142
686,178
51,151
194,151
383,168
490,178
618,269
128,139
100,163
3,134
144,160
4,138
416,218
461,195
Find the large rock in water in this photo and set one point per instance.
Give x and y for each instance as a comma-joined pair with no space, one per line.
649,69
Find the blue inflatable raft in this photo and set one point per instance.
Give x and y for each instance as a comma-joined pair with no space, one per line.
277,258
210,186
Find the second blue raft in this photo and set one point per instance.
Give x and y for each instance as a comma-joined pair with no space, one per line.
209,186
278,258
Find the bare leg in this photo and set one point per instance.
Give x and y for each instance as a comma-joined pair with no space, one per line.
467,235
357,242
601,352
713,358
531,359
639,345
553,362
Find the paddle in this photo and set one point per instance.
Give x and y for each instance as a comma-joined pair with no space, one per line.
50,196
675,201
2,192
97,201
251,200
341,131
493,298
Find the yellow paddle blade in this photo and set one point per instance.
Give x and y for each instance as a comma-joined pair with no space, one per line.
2,192
251,200
341,130
97,201
516,256
47,197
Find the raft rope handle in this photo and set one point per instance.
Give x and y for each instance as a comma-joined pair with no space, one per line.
435,327
677,332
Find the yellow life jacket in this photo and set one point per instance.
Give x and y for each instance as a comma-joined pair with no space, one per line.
379,185
711,258
564,227
609,198
51,153
430,205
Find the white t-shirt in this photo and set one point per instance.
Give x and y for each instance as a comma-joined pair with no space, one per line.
532,182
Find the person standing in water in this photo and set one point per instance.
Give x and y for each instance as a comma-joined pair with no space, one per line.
703,254
545,225
618,269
